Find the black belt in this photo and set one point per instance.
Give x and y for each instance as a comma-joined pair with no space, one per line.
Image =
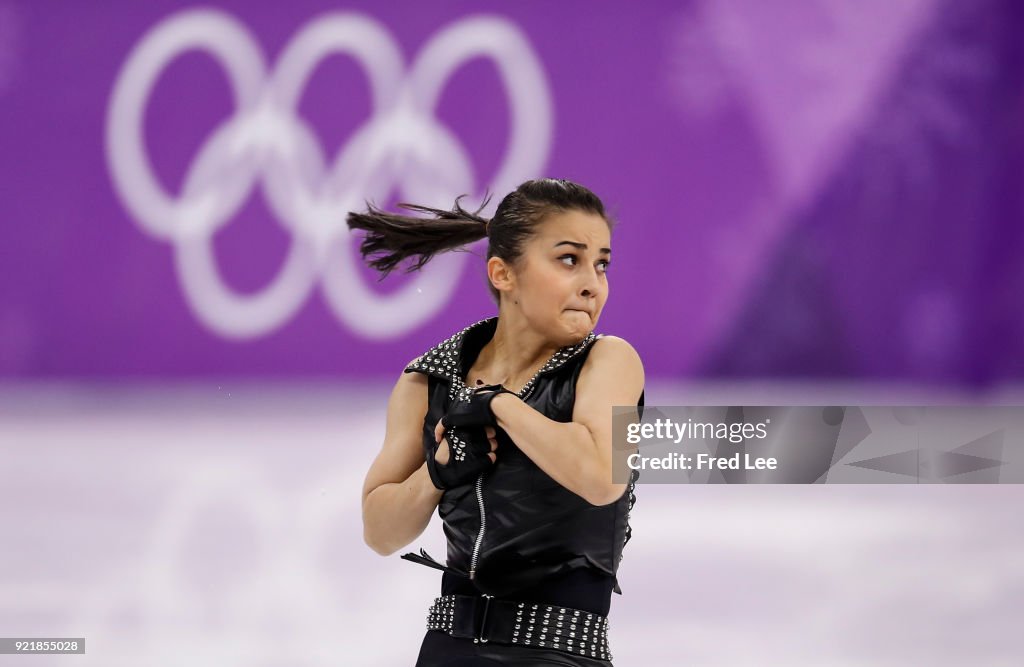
484,619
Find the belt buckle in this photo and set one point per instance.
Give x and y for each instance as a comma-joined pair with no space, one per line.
480,639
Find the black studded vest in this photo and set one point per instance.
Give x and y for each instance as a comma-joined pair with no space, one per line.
515,526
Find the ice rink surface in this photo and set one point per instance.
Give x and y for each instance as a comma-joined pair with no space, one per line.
220,525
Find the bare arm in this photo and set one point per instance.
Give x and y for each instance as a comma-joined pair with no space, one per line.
398,496
578,454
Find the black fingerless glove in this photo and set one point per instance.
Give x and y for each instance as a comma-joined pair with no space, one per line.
474,410
468,446
467,457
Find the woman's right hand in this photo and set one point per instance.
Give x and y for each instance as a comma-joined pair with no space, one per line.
443,453
453,466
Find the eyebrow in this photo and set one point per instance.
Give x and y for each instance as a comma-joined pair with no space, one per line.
580,246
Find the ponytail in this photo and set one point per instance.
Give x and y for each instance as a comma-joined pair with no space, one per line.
396,237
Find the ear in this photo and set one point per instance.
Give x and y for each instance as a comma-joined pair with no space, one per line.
501,275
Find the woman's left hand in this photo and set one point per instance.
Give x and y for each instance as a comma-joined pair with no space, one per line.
476,410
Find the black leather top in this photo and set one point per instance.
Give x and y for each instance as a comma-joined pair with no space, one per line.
536,533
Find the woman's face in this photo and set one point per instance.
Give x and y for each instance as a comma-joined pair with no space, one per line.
560,279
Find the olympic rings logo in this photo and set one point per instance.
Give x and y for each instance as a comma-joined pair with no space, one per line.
265,142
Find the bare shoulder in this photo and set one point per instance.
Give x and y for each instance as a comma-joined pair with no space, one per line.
401,454
413,376
410,390
615,355
612,373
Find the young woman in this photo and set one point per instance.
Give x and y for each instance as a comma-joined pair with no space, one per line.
506,428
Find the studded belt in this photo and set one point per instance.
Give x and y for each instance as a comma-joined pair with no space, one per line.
485,619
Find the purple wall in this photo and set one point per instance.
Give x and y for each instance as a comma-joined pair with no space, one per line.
804,188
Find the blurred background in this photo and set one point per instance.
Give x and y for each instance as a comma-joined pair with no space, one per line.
818,202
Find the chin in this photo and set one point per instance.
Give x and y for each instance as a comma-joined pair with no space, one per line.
578,330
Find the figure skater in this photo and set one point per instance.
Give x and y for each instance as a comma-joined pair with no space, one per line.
506,428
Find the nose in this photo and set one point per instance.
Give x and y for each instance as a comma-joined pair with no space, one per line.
589,283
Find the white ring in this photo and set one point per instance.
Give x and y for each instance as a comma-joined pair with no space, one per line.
401,149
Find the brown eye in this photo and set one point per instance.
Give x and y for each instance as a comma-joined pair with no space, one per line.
572,257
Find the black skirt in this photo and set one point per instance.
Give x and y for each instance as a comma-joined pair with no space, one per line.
441,650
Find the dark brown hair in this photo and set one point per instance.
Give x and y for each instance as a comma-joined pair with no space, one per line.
395,238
